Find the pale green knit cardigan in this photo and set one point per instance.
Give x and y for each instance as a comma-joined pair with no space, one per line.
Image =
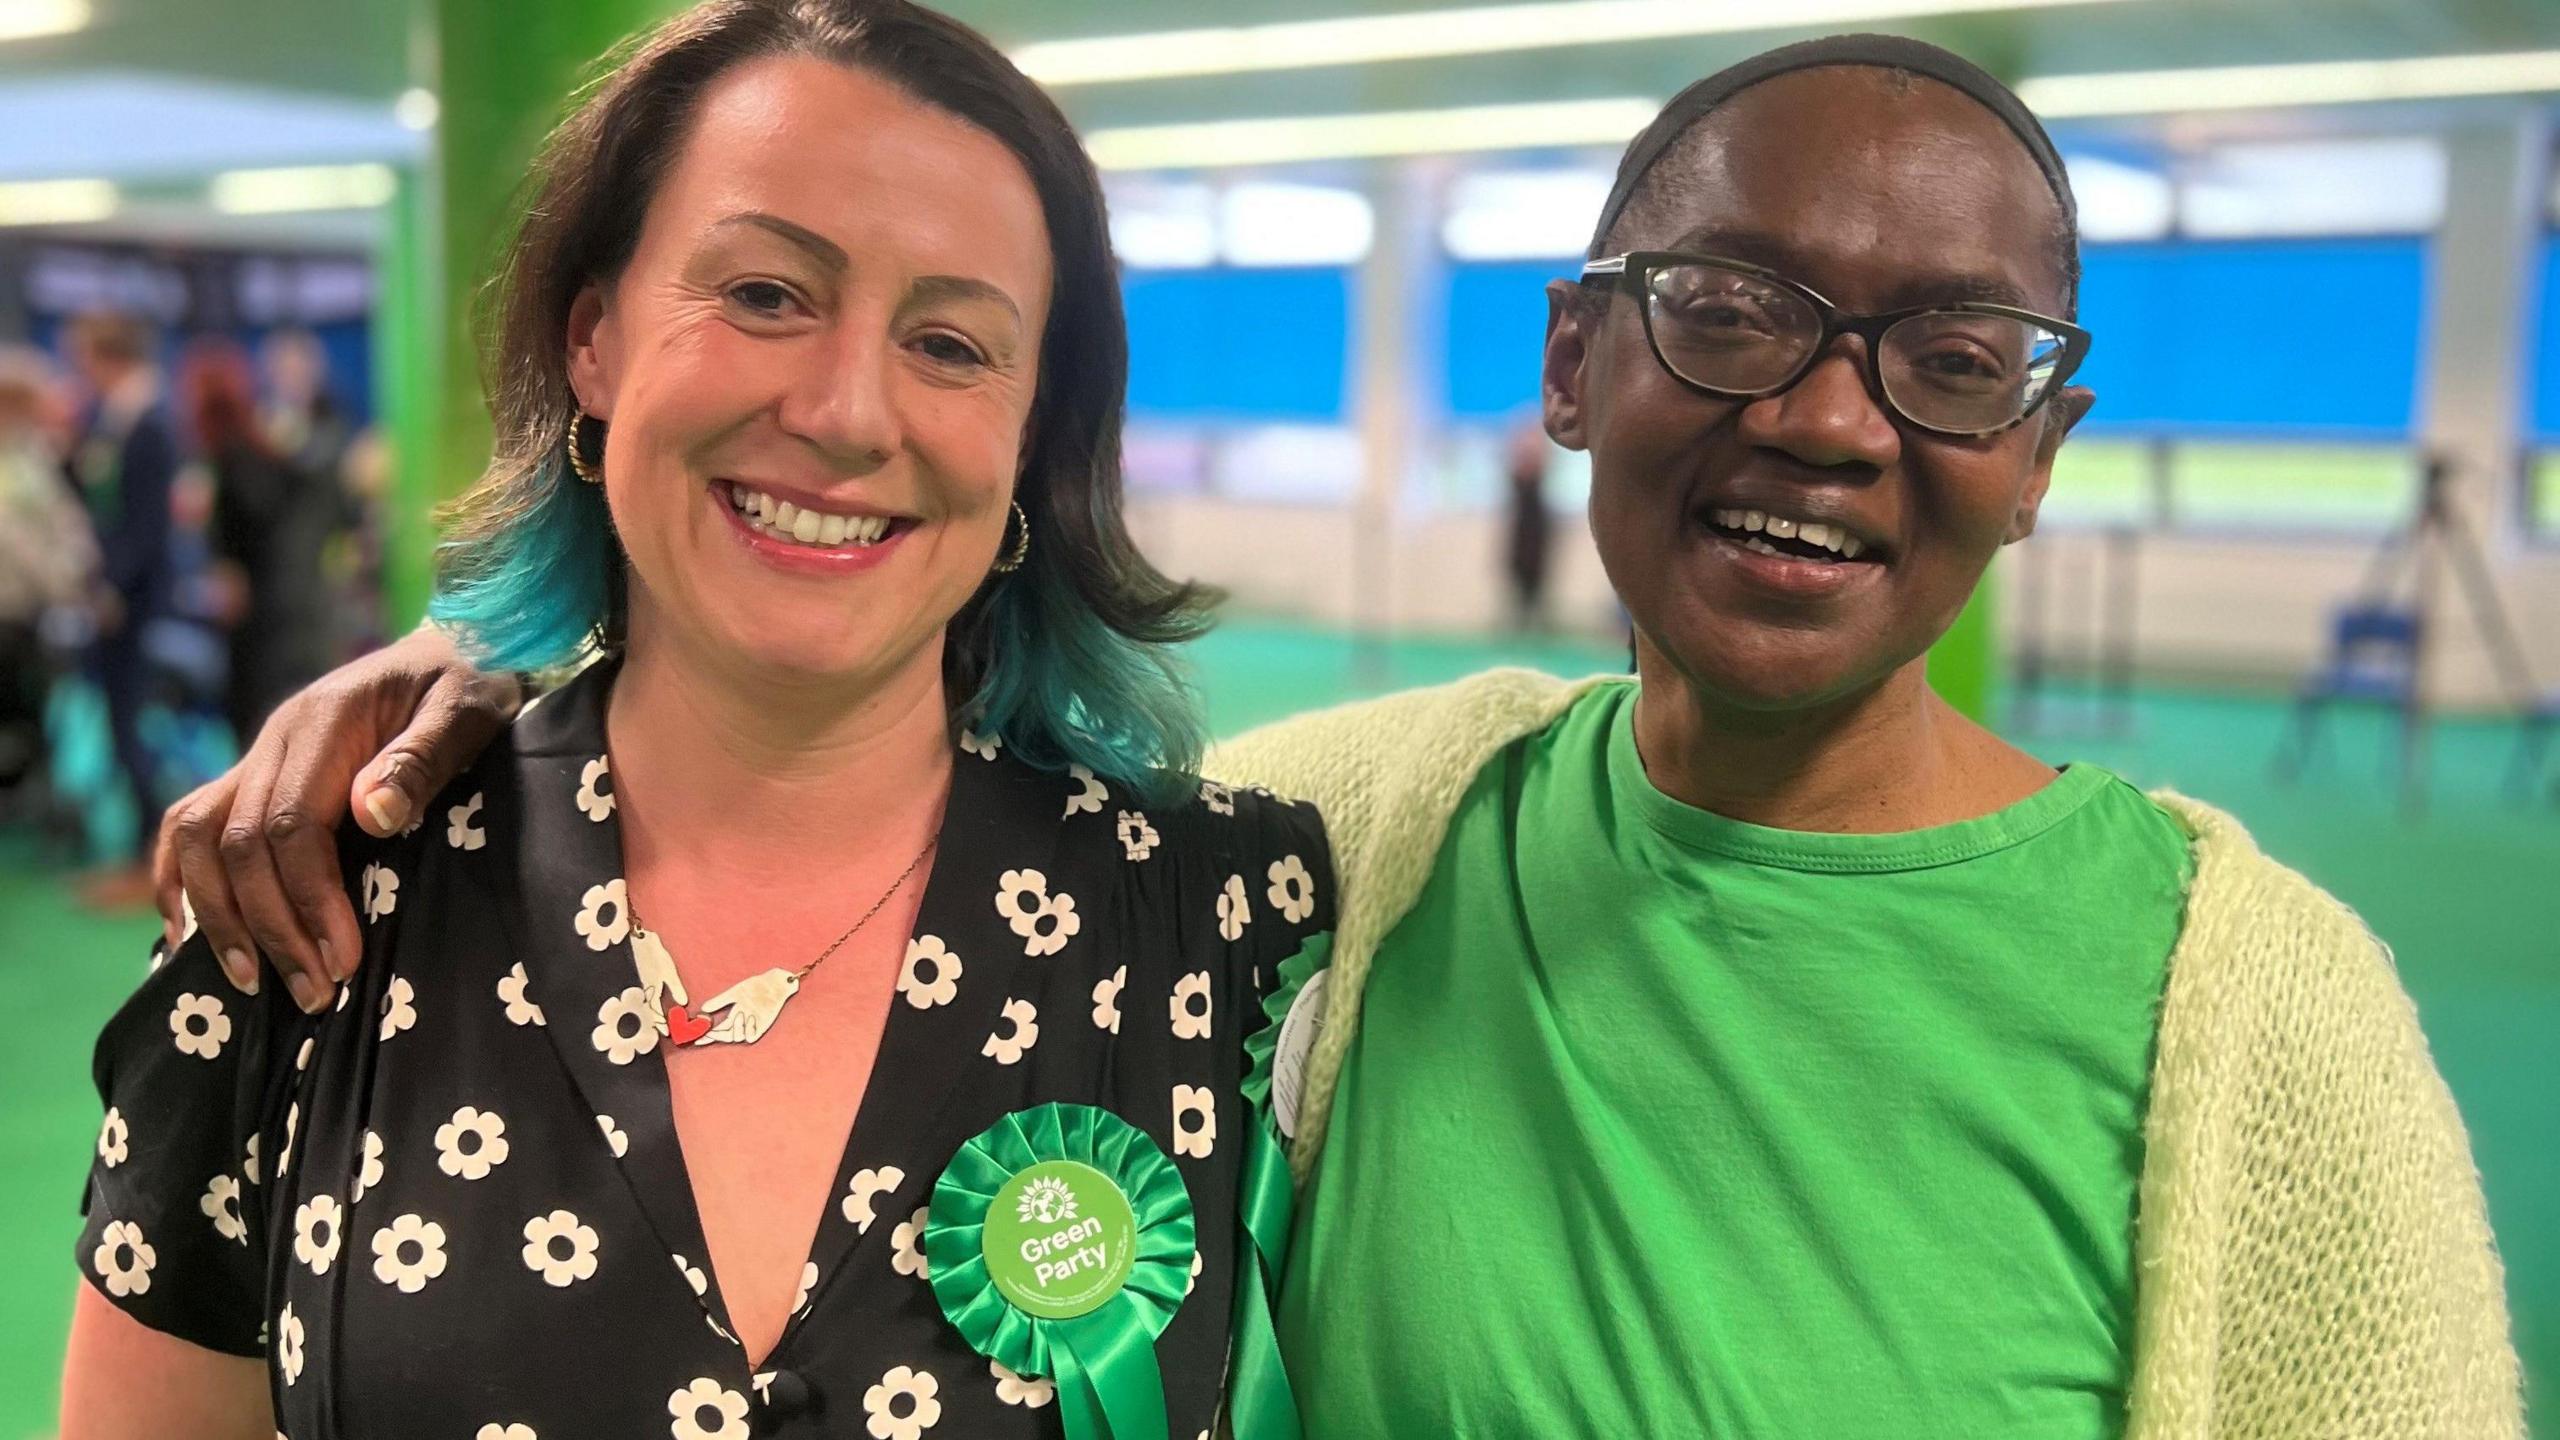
2313,1257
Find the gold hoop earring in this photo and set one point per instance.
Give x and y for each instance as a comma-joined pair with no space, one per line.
1021,544
579,465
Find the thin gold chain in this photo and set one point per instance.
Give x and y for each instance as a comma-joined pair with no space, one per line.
838,943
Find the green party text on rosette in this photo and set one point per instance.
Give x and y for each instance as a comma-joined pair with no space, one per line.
1060,1244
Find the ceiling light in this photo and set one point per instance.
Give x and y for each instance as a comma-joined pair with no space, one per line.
417,108
1523,214
56,202
2264,87
1264,223
27,19
1474,30
1221,143
303,187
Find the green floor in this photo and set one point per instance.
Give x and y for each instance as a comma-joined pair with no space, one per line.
2468,894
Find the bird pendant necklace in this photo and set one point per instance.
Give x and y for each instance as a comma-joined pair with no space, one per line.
746,1011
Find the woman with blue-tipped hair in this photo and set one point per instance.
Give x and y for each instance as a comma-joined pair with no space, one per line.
825,1013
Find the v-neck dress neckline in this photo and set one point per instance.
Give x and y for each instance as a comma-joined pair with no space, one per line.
456,1204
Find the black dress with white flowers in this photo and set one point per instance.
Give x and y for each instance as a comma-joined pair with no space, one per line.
455,1206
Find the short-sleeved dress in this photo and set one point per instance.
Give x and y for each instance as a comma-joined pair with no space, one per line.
455,1205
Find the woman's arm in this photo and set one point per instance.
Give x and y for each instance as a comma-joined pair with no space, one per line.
253,851
123,1380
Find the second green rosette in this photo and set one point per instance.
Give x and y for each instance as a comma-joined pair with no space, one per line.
1060,1244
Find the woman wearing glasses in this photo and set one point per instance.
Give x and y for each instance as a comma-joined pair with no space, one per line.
1757,1047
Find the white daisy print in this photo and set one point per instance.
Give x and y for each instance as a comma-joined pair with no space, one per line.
495,1431
381,890
1138,839
604,917
199,1025
462,825
1024,1022
931,975
1195,1121
399,1007
902,1406
124,1259
302,1057
1234,911
1293,890
284,1152
707,1410
906,1244
1013,1389
625,1029
315,1233
111,1139
595,789
693,1276
984,747
808,1282
1191,1004
618,1142
1194,1282
559,1249
408,1253
187,918
1106,1000
1045,922
1219,799
221,1205
249,1162
368,1168
520,1011
289,1339
867,1186
471,1144
1090,793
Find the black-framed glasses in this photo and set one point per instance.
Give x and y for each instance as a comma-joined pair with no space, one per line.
1738,332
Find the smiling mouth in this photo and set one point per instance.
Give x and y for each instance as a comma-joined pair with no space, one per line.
1790,537
791,524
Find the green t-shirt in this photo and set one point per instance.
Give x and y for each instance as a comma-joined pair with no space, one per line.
1662,1124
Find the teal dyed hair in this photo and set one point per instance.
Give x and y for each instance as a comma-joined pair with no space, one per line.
1071,658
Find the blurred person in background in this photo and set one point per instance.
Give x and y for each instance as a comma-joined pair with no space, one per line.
47,556
302,416
274,508
1531,533
124,463
1758,1046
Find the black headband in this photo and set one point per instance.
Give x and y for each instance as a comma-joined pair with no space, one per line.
1882,51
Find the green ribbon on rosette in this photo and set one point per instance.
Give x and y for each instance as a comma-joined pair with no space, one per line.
1060,1244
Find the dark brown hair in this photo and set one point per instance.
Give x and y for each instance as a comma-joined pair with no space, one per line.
1068,658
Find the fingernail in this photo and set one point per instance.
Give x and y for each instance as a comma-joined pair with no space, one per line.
307,993
329,962
388,807
243,970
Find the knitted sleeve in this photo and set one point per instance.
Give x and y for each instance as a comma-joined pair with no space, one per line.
2315,1256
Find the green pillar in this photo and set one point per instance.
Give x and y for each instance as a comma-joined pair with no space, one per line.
504,71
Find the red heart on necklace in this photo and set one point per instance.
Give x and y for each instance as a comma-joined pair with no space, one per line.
684,1027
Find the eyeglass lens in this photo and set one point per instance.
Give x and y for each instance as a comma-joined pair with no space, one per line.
1953,370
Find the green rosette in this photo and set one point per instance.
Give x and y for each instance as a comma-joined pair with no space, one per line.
1060,1244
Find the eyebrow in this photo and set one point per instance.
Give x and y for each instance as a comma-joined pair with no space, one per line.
1922,288
925,290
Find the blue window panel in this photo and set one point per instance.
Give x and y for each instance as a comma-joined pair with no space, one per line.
1497,333
1238,345
2305,337
2545,400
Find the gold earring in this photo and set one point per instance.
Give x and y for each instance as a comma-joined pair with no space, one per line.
579,464
1021,545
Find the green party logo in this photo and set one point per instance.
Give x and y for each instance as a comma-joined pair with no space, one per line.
1060,1239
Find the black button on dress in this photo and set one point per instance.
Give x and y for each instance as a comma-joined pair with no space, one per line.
455,1205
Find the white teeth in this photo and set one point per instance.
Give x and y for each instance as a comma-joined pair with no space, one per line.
1850,545
1815,534
783,520
1782,527
1754,520
1819,533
